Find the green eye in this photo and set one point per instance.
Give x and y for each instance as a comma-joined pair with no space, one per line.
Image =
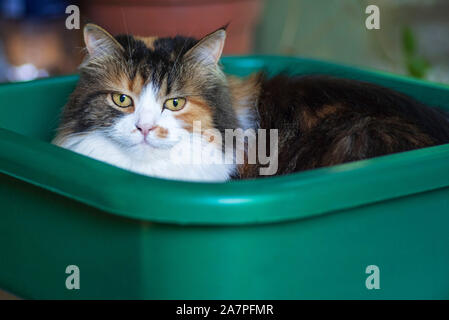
122,100
175,104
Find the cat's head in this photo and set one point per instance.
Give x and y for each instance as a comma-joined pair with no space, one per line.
144,93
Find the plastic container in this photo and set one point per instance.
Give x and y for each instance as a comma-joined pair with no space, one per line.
305,235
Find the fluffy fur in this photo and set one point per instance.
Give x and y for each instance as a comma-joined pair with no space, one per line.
150,71
324,121
321,120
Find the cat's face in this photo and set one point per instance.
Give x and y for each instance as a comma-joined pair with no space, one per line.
144,94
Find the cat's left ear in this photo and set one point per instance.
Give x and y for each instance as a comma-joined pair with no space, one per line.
209,48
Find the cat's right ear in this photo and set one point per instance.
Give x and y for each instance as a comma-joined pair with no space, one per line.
100,42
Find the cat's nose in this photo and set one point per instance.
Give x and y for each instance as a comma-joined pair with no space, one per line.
145,128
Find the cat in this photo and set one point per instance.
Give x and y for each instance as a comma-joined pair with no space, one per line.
139,101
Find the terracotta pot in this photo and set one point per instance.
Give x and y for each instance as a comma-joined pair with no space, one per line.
185,17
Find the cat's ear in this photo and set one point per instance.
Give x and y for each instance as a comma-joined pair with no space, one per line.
209,48
99,42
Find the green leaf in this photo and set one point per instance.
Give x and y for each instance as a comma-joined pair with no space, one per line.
417,66
408,42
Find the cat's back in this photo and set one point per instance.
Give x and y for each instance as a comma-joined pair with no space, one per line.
311,99
324,120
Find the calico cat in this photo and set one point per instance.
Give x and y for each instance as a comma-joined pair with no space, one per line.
140,98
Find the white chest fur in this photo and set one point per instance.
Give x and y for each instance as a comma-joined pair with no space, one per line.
149,161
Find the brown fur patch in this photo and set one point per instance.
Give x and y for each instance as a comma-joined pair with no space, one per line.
244,93
328,109
309,119
213,136
196,109
135,85
161,132
149,41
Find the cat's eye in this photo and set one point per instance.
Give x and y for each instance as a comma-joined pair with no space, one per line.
122,100
175,104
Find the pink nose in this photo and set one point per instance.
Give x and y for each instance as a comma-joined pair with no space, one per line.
145,128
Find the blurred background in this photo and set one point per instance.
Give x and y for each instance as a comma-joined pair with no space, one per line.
413,39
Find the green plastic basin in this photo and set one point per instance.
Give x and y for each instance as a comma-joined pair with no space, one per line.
308,235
